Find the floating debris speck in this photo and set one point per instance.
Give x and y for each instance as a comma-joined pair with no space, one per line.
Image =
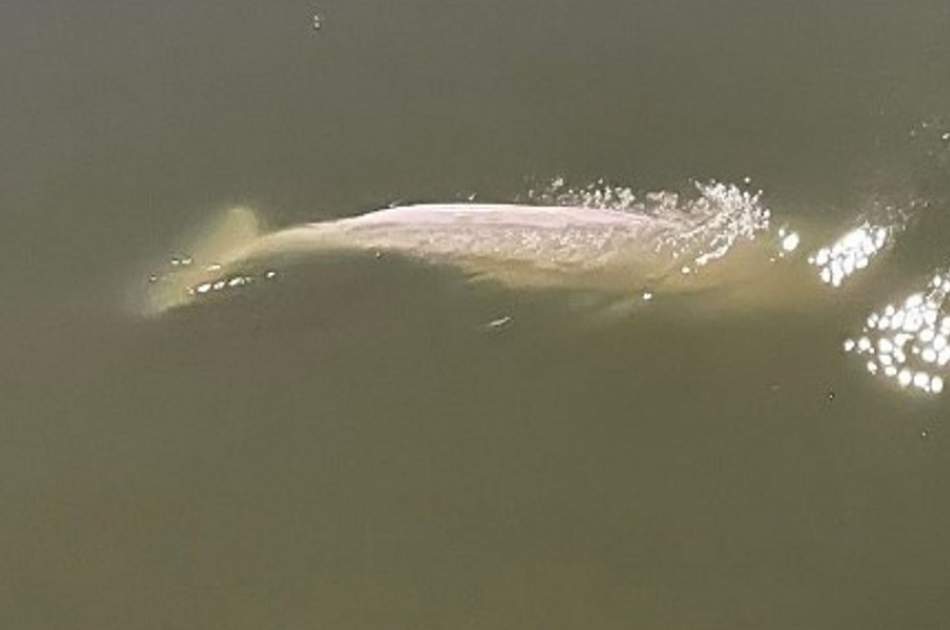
499,323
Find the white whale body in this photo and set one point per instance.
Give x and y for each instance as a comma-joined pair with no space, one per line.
721,240
530,242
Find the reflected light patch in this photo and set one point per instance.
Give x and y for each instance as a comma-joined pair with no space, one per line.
850,254
907,342
790,242
220,284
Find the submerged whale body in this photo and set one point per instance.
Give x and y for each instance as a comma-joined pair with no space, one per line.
720,243
725,250
667,247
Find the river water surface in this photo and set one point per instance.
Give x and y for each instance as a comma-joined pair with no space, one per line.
362,442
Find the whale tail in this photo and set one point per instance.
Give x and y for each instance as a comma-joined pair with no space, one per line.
203,261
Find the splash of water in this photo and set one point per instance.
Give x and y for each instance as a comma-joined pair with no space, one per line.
714,218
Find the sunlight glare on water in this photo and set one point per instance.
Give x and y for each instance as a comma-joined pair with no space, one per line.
908,341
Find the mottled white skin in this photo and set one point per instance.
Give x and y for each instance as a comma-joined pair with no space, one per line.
606,250
518,245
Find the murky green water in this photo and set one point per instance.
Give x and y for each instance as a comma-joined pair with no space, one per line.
353,445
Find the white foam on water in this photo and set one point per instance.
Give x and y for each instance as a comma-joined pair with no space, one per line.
711,221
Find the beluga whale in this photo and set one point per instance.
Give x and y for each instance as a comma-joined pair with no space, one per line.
717,243
717,240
